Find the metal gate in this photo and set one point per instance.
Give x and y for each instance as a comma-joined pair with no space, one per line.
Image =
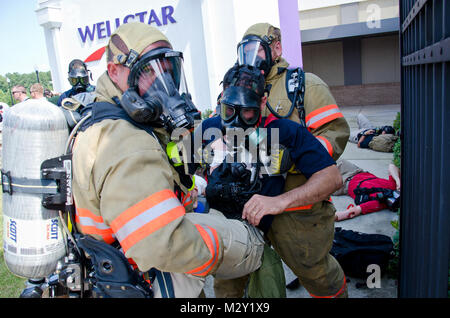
425,209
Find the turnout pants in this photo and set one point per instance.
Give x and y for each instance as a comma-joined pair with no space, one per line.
303,240
243,250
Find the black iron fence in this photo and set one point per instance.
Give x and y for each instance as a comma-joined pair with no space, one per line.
425,210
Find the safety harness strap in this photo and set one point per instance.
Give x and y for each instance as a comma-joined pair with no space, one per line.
11,184
362,195
104,110
165,282
295,87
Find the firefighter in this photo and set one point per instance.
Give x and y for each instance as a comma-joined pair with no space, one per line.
78,79
125,188
303,236
232,184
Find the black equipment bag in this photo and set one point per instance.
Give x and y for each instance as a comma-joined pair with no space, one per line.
355,251
113,275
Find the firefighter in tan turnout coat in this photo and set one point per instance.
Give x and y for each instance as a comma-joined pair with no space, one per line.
302,236
124,185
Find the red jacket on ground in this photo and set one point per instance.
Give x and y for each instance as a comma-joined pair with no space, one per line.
373,205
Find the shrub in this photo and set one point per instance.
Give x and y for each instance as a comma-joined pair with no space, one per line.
393,264
398,145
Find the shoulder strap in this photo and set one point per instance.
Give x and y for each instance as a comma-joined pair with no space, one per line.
362,195
104,110
359,184
295,88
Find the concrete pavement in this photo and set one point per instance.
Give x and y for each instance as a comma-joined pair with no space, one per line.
378,222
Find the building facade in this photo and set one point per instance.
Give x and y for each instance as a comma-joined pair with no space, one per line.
354,47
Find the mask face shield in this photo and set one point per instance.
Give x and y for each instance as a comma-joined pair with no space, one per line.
248,116
158,80
79,79
164,74
240,108
252,51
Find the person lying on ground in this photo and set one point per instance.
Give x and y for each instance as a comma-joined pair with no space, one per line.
371,193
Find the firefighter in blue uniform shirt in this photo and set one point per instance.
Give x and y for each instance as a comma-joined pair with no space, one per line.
241,104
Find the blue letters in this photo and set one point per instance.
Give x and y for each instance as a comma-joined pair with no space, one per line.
108,29
141,16
154,18
87,33
167,14
100,30
13,230
54,229
130,16
103,29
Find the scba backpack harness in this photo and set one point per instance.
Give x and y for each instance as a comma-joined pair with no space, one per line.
108,272
391,198
295,88
101,111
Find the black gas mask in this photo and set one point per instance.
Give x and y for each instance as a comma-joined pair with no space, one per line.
241,100
256,52
158,92
240,108
78,76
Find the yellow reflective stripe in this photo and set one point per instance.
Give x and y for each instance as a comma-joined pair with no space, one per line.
193,184
173,153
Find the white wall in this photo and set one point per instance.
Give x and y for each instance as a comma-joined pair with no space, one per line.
225,22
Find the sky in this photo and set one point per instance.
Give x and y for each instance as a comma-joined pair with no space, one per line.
25,40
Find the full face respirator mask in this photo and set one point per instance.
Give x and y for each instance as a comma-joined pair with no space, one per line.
241,99
158,93
78,76
240,108
255,52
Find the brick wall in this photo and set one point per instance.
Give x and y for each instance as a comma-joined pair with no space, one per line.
367,94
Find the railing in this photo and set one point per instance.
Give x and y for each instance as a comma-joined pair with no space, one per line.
425,209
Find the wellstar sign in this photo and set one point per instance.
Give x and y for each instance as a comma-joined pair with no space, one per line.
104,29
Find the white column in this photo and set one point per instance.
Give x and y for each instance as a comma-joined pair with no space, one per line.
220,41
50,18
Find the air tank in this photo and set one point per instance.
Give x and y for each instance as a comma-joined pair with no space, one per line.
33,242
